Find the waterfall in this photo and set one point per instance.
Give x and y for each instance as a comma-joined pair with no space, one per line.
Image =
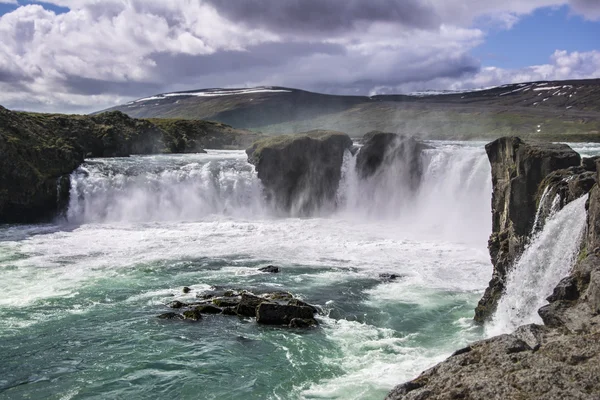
160,188
452,200
548,258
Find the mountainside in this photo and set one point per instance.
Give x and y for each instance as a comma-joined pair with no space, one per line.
552,110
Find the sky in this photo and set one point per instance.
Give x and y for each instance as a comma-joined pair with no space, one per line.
86,55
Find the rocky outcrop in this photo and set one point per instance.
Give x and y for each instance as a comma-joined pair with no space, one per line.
383,151
271,308
558,360
518,169
300,173
35,164
532,363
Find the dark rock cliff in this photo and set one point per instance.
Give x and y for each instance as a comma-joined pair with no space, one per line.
383,150
518,169
557,360
300,173
34,166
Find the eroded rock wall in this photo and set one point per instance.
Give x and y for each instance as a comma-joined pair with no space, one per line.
518,169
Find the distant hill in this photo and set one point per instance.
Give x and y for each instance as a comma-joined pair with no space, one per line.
566,110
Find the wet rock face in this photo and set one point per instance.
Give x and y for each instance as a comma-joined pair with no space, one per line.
518,169
384,150
300,173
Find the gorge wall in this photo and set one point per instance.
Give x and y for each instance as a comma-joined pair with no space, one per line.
556,360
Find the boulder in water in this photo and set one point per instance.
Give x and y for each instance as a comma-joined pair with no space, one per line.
301,172
177,304
248,305
170,315
270,269
277,314
303,323
388,277
208,309
192,315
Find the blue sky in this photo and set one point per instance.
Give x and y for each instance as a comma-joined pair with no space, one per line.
87,55
531,40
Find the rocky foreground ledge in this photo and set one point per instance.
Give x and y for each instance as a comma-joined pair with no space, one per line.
557,360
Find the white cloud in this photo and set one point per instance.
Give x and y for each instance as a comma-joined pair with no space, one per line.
104,52
563,65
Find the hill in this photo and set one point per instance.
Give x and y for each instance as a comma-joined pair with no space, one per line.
566,110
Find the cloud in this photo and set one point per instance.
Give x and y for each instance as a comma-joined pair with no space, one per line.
562,65
100,53
589,9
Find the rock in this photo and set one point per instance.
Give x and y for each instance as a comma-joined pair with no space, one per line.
505,367
389,150
226,302
248,305
177,304
192,315
303,323
388,277
208,309
565,290
518,169
589,163
170,315
278,296
300,173
270,269
277,314
230,311
300,303
186,290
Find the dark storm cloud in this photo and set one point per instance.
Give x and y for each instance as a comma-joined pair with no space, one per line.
87,86
325,16
263,55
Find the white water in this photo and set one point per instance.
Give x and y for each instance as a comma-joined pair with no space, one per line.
548,258
452,201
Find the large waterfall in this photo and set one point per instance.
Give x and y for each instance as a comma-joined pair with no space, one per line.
453,195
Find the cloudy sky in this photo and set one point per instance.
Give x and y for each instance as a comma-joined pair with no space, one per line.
86,55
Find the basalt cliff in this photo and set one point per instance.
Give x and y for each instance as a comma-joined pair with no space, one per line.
561,358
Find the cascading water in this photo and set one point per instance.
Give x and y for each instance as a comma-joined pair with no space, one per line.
164,188
548,258
451,201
